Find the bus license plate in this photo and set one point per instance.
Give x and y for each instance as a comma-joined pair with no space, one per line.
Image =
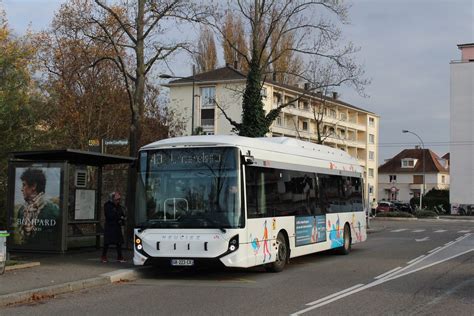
182,262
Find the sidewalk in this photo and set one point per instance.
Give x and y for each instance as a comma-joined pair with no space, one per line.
61,273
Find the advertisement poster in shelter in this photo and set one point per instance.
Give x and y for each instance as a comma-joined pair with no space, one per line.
35,214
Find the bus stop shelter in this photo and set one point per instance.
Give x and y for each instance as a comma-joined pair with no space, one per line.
54,198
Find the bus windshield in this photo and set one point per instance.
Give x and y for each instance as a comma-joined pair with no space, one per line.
189,188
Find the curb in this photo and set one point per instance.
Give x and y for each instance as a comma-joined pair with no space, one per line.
22,266
51,291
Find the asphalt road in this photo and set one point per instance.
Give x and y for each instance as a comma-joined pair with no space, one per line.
405,268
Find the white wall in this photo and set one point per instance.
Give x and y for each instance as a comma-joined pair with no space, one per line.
229,97
180,102
404,181
462,130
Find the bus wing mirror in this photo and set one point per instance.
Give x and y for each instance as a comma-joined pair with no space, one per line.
248,159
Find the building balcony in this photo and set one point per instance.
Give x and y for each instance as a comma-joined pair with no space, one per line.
351,142
207,122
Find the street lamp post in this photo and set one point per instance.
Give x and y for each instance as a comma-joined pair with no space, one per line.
423,161
166,76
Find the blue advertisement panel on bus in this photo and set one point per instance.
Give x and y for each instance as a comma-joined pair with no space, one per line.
310,229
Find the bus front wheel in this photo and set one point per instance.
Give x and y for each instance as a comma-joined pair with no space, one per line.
346,247
281,256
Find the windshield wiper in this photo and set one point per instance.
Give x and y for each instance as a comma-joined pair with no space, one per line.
213,222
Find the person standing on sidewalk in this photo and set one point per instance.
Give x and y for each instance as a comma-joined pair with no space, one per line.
114,219
373,206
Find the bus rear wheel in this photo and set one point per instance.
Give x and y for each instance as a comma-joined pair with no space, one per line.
281,256
346,247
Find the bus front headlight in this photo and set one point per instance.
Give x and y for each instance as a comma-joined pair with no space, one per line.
138,243
234,243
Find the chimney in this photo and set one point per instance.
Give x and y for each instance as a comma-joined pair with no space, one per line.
334,95
319,93
235,64
274,77
306,85
467,52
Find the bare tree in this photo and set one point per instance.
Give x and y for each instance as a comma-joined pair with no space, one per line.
140,28
205,58
271,23
325,76
142,31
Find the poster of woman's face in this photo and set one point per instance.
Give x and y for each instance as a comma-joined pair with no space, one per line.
36,216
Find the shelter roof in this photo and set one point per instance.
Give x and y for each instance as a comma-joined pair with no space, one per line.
73,156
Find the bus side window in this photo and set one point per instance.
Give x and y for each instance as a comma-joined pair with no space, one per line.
256,194
251,190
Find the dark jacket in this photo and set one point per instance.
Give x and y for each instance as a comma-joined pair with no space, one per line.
114,217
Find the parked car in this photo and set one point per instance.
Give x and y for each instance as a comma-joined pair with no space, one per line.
385,206
403,207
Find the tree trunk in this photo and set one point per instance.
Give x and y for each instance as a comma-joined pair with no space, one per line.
137,113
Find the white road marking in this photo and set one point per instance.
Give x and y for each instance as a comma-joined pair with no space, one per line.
416,259
419,230
422,239
432,250
399,230
464,231
327,301
397,274
387,273
335,294
440,231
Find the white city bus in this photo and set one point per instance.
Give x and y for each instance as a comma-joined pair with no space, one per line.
244,202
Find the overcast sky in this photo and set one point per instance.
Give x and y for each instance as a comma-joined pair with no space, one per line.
406,48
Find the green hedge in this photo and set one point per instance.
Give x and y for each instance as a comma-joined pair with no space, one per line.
425,214
418,214
433,199
394,214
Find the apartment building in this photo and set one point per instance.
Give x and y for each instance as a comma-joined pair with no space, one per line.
343,125
461,194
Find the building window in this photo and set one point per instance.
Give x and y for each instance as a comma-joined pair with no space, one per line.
371,155
264,92
305,105
343,116
371,121
371,173
305,126
408,163
278,120
276,100
417,179
393,178
207,117
443,179
371,139
208,97
332,113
